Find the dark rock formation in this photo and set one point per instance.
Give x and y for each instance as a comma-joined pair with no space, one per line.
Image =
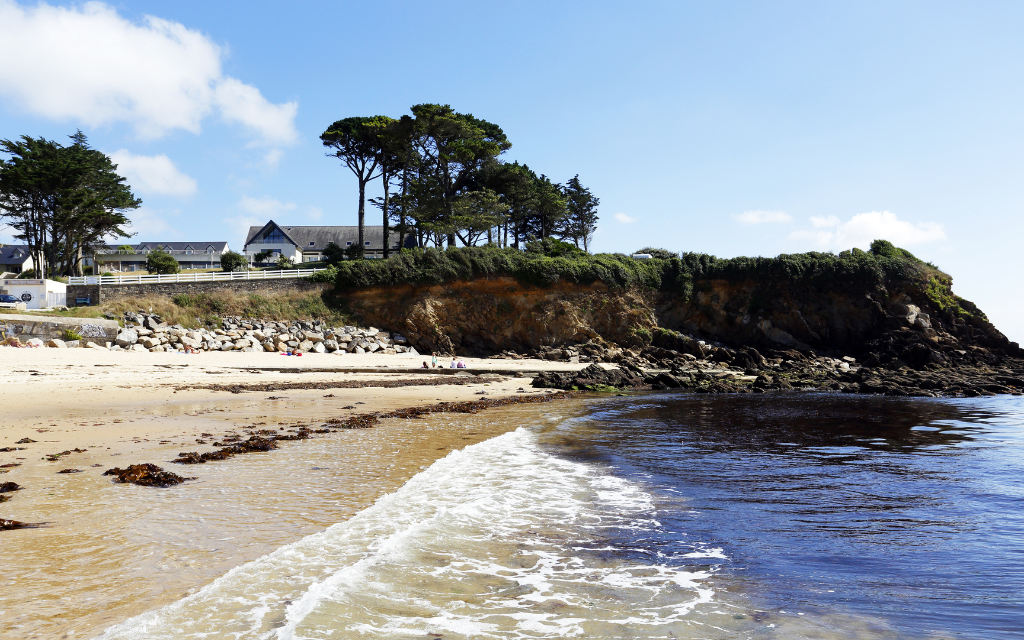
146,474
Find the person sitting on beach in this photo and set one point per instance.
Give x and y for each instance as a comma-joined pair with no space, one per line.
453,365
461,365
425,366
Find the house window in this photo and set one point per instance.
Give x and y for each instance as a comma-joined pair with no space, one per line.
348,243
189,251
367,244
276,236
210,249
312,244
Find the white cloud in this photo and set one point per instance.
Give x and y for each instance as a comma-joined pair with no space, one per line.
86,63
759,216
148,225
861,229
624,219
315,213
153,174
240,226
265,207
273,157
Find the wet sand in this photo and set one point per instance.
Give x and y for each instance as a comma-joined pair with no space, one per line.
112,551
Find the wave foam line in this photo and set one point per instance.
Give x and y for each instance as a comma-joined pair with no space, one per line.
501,521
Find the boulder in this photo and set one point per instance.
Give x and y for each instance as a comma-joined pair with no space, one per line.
318,347
57,344
306,345
93,345
137,347
150,342
73,344
314,336
127,337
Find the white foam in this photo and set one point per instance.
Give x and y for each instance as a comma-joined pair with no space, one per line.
496,540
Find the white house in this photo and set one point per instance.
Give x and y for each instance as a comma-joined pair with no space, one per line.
132,257
306,244
15,258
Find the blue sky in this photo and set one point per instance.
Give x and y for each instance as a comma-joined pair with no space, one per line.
730,128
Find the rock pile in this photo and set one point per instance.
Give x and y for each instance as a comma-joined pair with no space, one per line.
748,371
148,332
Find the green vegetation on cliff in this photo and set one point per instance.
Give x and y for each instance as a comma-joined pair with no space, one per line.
550,261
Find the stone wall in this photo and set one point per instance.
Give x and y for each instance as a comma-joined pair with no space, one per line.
101,294
46,328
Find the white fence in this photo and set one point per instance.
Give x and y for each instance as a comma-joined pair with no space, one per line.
211,276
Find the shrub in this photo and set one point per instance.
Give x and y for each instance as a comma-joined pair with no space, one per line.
68,335
29,273
284,262
162,262
262,256
678,274
233,261
553,248
664,254
333,254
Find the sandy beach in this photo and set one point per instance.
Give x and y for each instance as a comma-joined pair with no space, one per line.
113,550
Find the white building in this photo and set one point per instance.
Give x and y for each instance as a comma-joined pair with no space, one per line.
306,244
37,294
132,257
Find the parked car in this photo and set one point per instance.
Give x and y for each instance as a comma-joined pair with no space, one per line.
7,301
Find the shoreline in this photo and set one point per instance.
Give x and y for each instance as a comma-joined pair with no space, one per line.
116,410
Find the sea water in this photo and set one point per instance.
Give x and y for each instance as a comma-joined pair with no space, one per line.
667,516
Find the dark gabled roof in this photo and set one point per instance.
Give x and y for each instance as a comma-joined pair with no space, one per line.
7,252
256,231
318,237
219,246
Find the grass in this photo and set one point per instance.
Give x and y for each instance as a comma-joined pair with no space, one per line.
681,274
206,309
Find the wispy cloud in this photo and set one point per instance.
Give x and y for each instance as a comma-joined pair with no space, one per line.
760,216
153,174
149,225
832,233
265,206
314,213
624,218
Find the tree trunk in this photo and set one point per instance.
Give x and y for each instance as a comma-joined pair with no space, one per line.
362,215
387,180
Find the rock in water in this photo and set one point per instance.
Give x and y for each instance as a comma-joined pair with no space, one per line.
14,524
147,475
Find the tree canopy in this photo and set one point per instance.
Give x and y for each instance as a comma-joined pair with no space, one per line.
62,200
453,185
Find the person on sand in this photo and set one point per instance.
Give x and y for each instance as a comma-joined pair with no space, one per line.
460,365
433,360
424,365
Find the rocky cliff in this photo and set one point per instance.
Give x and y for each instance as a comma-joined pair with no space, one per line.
909,321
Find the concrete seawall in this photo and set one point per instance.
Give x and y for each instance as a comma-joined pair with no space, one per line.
99,294
24,327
